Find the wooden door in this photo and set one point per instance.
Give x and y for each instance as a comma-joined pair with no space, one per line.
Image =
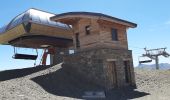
127,71
77,40
112,73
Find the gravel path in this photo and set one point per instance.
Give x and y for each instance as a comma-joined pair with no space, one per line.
24,88
52,83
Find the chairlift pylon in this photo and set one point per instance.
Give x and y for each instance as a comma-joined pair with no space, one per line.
24,56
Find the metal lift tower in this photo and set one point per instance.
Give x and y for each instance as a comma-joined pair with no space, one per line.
154,55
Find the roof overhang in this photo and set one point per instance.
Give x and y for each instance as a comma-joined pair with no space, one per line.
71,17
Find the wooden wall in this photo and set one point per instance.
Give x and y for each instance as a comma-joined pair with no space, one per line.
106,36
38,29
100,34
12,34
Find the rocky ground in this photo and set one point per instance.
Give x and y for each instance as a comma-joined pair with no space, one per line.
154,82
52,83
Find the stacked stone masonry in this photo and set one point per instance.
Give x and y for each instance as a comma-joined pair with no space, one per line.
92,66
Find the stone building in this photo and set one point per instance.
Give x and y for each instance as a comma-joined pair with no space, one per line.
101,53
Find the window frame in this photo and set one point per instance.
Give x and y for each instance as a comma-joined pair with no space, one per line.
87,29
115,37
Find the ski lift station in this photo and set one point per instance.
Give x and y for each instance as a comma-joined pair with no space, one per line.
101,55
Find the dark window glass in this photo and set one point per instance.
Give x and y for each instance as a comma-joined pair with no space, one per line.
87,30
114,34
77,41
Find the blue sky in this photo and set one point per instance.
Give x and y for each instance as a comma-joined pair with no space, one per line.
152,17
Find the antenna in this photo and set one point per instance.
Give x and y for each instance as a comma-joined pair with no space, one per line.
155,53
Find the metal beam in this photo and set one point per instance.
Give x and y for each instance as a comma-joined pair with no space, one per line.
154,54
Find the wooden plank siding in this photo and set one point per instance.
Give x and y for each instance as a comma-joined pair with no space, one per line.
106,36
38,29
12,34
87,40
100,34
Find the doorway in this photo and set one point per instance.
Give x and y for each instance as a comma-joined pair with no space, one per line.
127,71
77,40
112,73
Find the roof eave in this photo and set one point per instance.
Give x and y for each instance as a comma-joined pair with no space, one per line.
95,16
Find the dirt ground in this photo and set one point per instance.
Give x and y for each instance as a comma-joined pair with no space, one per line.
154,82
52,83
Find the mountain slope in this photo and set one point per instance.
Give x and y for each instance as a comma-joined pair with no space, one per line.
52,83
162,66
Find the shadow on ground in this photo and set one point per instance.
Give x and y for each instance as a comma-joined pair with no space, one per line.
17,73
61,83
124,94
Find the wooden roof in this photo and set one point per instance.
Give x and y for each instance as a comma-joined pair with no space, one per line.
72,17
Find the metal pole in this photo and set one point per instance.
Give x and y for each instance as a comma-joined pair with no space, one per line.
157,62
51,59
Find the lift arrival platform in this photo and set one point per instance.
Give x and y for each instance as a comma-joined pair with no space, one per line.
34,29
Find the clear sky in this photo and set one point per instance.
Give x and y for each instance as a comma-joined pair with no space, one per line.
152,17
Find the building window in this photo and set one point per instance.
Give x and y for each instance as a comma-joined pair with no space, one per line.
77,40
114,34
87,28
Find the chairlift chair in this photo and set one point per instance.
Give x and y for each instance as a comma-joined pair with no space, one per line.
24,56
144,61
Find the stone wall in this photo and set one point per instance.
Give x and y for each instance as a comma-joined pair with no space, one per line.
91,65
58,56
